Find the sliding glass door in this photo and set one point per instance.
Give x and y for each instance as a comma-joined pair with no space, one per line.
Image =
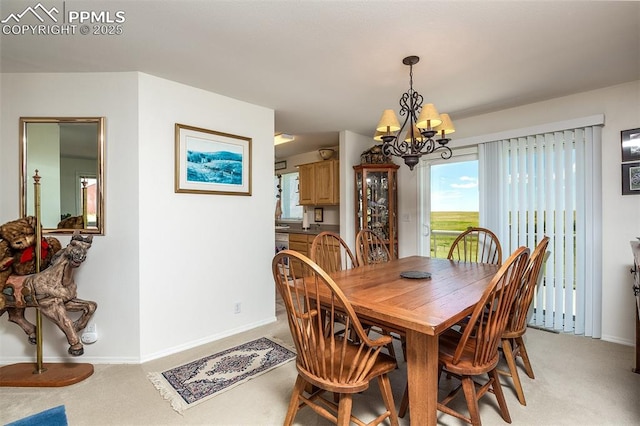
448,201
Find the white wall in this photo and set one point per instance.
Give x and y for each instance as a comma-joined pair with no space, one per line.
201,253
351,146
621,214
170,266
110,274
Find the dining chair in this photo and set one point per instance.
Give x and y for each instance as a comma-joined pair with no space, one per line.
371,248
332,253
473,351
328,361
478,245
512,341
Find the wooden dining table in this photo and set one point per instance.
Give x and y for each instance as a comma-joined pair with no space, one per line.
421,308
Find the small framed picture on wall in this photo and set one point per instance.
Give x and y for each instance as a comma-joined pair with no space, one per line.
631,179
630,140
318,214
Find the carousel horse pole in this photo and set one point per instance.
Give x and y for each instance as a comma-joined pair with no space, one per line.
54,374
36,194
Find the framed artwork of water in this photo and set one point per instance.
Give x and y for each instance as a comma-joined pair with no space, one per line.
210,162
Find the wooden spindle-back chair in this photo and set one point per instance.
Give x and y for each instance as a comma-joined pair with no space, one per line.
473,351
326,359
332,253
512,341
478,245
371,248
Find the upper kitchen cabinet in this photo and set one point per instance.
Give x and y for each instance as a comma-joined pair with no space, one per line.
319,183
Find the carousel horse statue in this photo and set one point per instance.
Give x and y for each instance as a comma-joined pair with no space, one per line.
54,292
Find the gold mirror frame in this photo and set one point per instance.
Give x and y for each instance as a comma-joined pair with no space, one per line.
51,150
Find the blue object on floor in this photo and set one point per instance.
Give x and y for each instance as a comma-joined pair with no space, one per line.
55,416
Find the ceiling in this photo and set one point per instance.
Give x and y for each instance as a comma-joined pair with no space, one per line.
331,66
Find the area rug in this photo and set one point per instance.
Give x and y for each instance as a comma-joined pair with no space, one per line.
190,384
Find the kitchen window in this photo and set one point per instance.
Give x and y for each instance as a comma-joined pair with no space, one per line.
291,210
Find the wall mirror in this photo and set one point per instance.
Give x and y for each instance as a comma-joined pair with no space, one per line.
68,153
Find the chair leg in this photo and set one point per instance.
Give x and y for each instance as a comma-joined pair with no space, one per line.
497,390
469,389
390,348
525,357
344,409
513,370
387,397
298,388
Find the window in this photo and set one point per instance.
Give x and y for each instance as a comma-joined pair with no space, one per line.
289,196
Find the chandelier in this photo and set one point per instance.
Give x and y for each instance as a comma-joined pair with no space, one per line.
423,124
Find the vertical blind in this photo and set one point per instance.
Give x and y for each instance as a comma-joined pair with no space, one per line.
549,184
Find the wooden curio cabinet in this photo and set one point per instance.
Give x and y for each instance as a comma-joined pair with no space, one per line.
377,202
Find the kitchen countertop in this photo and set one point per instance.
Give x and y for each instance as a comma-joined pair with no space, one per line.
313,230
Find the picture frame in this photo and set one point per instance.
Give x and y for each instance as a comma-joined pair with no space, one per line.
631,179
630,142
318,214
211,162
281,165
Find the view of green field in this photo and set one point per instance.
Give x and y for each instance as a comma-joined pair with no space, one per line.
449,221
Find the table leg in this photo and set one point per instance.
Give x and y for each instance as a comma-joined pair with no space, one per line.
422,377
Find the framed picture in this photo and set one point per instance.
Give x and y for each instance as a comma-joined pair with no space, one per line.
631,179
210,162
318,214
630,140
280,165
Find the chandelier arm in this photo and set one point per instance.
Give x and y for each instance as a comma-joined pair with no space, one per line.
446,153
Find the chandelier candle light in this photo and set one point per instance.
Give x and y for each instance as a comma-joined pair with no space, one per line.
423,123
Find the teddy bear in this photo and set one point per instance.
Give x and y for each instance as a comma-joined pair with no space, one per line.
6,260
18,243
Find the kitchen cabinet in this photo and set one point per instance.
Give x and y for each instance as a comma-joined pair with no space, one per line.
302,244
319,183
377,202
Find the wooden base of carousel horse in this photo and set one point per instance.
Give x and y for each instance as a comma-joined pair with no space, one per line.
53,375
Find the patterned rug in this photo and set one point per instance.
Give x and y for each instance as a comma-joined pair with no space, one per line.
190,384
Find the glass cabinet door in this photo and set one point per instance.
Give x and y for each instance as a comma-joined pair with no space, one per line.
376,202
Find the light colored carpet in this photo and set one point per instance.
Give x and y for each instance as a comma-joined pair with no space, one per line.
579,381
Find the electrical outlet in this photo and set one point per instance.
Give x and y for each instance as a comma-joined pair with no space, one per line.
237,308
90,334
